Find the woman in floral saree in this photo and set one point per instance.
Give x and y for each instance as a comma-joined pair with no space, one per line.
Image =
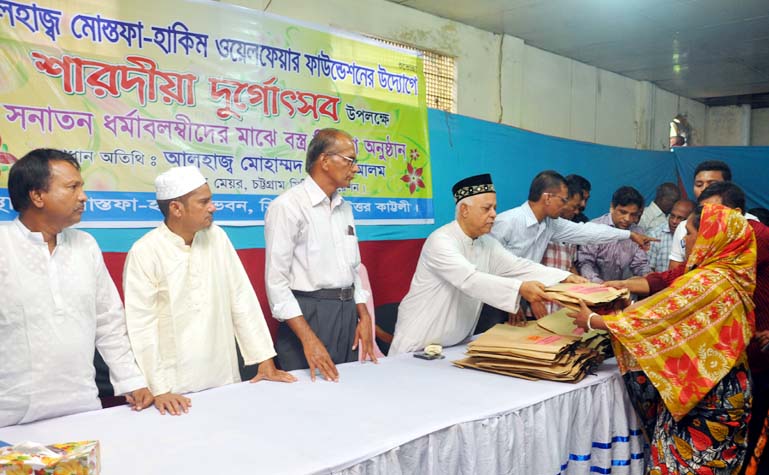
682,351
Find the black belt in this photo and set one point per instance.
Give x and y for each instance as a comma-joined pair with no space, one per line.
343,294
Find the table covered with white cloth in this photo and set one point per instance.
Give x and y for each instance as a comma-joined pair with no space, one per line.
402,416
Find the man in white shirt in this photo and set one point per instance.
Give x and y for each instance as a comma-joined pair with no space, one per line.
57,301
525,231
312,261
562,255
460,268
188,299
655,215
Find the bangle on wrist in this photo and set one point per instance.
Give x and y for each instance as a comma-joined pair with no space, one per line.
589,319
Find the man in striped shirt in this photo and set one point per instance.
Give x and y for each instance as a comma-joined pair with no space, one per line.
659,252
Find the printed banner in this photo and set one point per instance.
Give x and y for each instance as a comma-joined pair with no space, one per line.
134,88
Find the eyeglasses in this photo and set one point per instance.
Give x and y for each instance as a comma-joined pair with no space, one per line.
352,161
563,200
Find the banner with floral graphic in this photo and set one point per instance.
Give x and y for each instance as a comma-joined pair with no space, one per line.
134,88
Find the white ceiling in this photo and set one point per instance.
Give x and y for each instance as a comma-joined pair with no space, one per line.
712,50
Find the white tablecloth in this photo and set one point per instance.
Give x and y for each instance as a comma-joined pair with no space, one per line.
404,415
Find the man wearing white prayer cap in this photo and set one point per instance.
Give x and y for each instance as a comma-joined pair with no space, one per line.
188,299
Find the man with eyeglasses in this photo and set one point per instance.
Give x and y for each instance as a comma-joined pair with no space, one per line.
526,230
312,259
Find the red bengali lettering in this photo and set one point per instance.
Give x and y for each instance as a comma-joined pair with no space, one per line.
230,91
266,94
56,67
286,98
329,107
272,98
141,76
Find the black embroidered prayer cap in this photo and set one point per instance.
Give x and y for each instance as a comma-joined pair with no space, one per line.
474,185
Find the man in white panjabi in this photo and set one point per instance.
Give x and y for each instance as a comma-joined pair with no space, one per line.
57,300
460,268
188,298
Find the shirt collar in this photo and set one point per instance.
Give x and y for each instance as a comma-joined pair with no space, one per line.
528,213
317,195
175,239
464,238
605,219
36,237
656,209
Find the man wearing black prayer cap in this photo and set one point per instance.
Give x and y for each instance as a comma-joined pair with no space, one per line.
460,268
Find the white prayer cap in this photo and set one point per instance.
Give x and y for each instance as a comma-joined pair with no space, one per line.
177,182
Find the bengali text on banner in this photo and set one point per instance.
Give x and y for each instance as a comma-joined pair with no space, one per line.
134,88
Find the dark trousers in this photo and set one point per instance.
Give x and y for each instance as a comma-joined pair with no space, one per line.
490,316
333,321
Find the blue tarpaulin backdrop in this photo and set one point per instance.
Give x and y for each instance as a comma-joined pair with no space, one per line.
750,168
461,146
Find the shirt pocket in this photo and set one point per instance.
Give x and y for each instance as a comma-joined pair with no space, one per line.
308,240
603,258
606,261
351,252
313,246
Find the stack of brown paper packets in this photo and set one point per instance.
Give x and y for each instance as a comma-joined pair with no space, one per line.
595,296
551,348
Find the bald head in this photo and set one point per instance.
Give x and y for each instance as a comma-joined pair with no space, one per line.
680,212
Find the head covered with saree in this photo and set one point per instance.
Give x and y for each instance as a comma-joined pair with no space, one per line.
690,335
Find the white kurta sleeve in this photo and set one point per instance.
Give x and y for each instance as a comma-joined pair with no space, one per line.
445,259
111,335
141,292
247,318
586,233
506,264
280,231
